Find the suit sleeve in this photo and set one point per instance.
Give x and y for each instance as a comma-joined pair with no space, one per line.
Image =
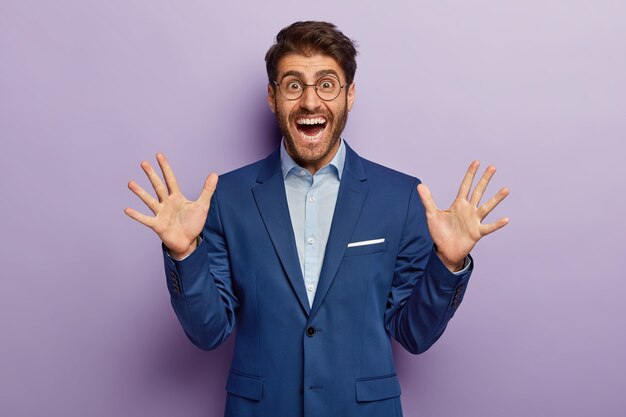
201,287
424,293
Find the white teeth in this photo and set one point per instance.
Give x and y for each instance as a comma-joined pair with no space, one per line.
312,138
314,121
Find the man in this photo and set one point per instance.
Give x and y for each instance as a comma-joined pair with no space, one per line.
314,254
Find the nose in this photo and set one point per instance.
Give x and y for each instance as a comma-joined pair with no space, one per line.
310,100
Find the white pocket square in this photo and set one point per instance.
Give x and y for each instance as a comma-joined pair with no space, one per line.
366,242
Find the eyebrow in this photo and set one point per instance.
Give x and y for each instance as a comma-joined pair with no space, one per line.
318,74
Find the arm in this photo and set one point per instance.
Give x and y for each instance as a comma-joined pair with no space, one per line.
200,287
199,282
425,293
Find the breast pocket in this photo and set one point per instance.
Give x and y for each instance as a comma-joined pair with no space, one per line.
366,247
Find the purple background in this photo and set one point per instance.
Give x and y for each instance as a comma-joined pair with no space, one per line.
90,88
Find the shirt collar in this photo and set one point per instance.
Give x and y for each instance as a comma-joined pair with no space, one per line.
287,164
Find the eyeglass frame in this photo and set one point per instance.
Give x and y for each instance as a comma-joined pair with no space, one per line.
304,87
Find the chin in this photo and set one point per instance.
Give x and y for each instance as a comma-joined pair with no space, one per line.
310,151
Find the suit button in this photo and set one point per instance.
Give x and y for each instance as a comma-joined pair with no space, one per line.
310,331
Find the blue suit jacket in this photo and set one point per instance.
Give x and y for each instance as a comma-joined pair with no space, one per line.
333,359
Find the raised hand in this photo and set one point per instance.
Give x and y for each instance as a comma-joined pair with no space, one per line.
177,221
456,230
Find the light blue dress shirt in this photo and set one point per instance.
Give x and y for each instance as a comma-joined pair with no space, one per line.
311,199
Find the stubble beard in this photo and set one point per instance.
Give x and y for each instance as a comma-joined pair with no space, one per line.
308,155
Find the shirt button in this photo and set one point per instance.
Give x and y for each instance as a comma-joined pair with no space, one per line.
302,172
310,241
312,199
310,288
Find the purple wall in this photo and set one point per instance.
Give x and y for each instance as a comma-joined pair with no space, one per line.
88,89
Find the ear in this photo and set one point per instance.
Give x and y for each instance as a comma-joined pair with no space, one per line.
271,97
350,97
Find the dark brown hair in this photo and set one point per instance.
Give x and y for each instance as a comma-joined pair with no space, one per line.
310,38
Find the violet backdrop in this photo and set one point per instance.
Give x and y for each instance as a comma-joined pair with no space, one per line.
88,89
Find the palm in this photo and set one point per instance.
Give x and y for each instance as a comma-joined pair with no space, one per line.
177,221
456,231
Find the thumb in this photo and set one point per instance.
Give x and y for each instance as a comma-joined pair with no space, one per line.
207,190
427,199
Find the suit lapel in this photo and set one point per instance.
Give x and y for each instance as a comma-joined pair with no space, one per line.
271,201
352,193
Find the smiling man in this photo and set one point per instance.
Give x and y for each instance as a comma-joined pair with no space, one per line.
315,255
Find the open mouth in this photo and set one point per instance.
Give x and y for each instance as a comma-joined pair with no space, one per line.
310,128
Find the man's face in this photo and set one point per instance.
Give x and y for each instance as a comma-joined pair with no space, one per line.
310,125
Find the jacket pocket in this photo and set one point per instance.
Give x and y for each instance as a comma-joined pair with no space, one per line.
246,386
365,249
377,388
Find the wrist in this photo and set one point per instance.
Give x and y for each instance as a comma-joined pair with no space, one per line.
452,265
179,256
455,267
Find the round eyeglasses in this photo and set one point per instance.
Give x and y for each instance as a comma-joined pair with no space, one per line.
327,88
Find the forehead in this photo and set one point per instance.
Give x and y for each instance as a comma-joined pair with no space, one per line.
308,67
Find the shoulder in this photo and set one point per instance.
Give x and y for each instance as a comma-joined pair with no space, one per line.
260,170
385,177
374,172
243,174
